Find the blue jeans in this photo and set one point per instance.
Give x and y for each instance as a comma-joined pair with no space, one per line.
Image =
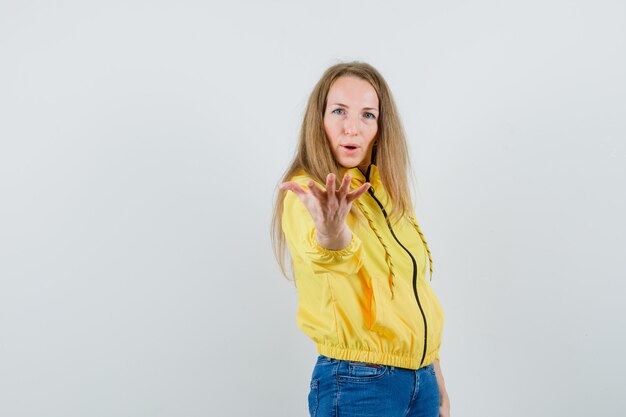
349,389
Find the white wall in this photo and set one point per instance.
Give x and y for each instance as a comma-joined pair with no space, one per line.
140,148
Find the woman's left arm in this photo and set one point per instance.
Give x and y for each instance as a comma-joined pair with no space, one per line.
444,401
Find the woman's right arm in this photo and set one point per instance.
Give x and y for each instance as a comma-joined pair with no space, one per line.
328,209
312,242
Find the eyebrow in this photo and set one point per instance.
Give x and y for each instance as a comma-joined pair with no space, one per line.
364,108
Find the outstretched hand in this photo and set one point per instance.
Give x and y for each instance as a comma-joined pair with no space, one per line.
329,208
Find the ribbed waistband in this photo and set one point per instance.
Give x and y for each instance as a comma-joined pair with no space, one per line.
369,356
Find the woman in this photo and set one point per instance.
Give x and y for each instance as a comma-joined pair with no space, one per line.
359,256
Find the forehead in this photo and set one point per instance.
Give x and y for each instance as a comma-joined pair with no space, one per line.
353,92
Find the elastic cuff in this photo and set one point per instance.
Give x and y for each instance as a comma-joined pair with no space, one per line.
348,250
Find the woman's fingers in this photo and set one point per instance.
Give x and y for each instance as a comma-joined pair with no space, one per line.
331,193
330,197
345,186
330,182
358,192
303,194
317,192
293,186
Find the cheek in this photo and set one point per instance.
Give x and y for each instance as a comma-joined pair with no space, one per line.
331,132
371,133
326,127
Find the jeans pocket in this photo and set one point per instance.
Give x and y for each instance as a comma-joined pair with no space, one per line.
361,371
314,397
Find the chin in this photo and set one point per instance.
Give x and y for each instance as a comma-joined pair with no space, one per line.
349,165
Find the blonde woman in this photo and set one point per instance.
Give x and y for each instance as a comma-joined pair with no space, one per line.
358,255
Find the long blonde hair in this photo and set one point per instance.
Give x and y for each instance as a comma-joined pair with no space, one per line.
315,157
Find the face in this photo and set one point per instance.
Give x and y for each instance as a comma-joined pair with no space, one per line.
351,121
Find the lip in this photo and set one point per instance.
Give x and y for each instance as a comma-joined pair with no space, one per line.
350,148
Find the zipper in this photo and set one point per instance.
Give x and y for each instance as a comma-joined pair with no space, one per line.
417,298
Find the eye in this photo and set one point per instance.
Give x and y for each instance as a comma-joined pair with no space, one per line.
338,111
369,115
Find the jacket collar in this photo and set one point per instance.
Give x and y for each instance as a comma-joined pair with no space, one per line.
359,178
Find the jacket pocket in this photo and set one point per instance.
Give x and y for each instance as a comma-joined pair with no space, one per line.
381,297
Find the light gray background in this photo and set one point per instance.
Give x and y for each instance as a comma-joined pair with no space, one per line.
141,145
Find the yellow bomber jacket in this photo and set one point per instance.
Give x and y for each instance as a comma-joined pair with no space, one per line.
369,302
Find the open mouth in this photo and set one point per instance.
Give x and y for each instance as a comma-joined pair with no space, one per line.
350,147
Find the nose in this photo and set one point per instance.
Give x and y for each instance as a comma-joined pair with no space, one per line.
351,125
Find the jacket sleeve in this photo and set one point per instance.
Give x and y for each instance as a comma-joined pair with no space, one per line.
299,230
